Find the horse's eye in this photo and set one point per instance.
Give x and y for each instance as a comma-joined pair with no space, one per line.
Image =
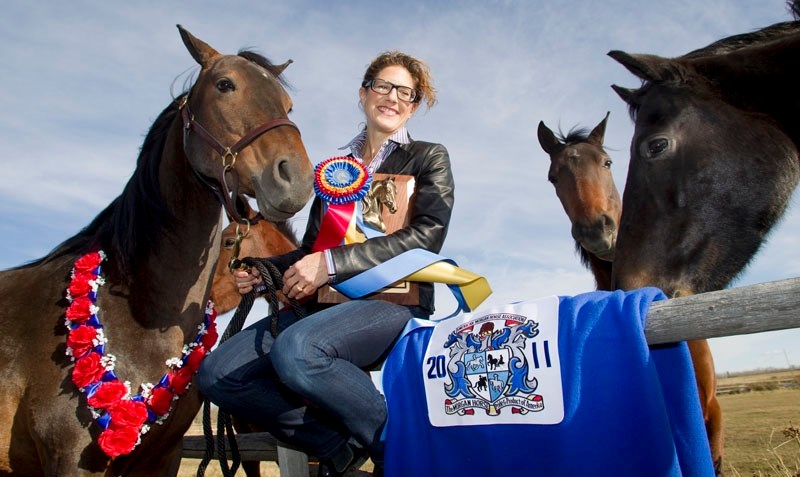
608,163
229,243
225,85
655,147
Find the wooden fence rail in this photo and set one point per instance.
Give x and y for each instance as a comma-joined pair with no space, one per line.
737,311
255,446
252,446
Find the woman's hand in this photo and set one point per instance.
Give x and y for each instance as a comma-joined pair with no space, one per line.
303,278
246,279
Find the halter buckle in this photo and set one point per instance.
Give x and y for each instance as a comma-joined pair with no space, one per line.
228,154
234,263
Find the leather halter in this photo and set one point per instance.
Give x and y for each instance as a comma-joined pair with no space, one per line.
226,195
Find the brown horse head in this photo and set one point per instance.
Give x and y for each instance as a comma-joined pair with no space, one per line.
714,161
261,239
234,100
580,171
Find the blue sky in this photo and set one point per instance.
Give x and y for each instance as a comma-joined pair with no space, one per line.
83,81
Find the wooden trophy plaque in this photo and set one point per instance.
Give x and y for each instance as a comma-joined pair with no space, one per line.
386,207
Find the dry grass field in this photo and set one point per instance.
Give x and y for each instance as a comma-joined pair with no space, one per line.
762,428
762,424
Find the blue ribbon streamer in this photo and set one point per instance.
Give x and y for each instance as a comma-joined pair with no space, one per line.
104,420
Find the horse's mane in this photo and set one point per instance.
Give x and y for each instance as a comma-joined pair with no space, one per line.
764,35
574,136
733,43
758,37
130,222
265,63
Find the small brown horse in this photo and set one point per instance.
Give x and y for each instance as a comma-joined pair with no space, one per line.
262,239
162,239
580,171
714,162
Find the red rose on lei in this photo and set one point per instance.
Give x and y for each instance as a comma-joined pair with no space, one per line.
117,442
87,370
80,340
179,379
79,285
161,401
80,309
88,262
127,413
210,338
195,358
107,394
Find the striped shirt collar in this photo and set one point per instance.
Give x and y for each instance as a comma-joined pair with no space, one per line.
357,144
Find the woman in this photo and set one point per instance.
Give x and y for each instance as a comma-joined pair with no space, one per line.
308,386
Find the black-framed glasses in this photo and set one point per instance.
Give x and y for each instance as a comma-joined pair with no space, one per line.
383,87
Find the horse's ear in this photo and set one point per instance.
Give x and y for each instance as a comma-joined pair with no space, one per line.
626,94
647,67
282,67
201,52
599,131
547,139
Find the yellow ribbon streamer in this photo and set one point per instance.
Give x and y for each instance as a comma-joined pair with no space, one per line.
474,287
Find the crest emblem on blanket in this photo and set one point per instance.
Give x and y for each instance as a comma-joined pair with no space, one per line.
488,366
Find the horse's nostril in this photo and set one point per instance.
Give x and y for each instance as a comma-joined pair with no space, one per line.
282,171
609,223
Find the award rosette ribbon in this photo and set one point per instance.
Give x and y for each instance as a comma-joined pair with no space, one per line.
341,183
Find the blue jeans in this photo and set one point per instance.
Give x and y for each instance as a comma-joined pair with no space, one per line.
308,387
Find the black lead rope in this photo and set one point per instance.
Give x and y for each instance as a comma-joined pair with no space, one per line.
273,281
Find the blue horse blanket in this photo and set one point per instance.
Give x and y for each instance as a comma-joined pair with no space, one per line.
563,386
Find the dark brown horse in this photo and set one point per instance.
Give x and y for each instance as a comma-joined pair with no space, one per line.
580,171
162,240
714,162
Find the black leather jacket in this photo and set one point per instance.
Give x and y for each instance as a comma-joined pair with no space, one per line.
429,218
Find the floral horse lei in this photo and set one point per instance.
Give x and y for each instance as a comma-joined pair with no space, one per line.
122,416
